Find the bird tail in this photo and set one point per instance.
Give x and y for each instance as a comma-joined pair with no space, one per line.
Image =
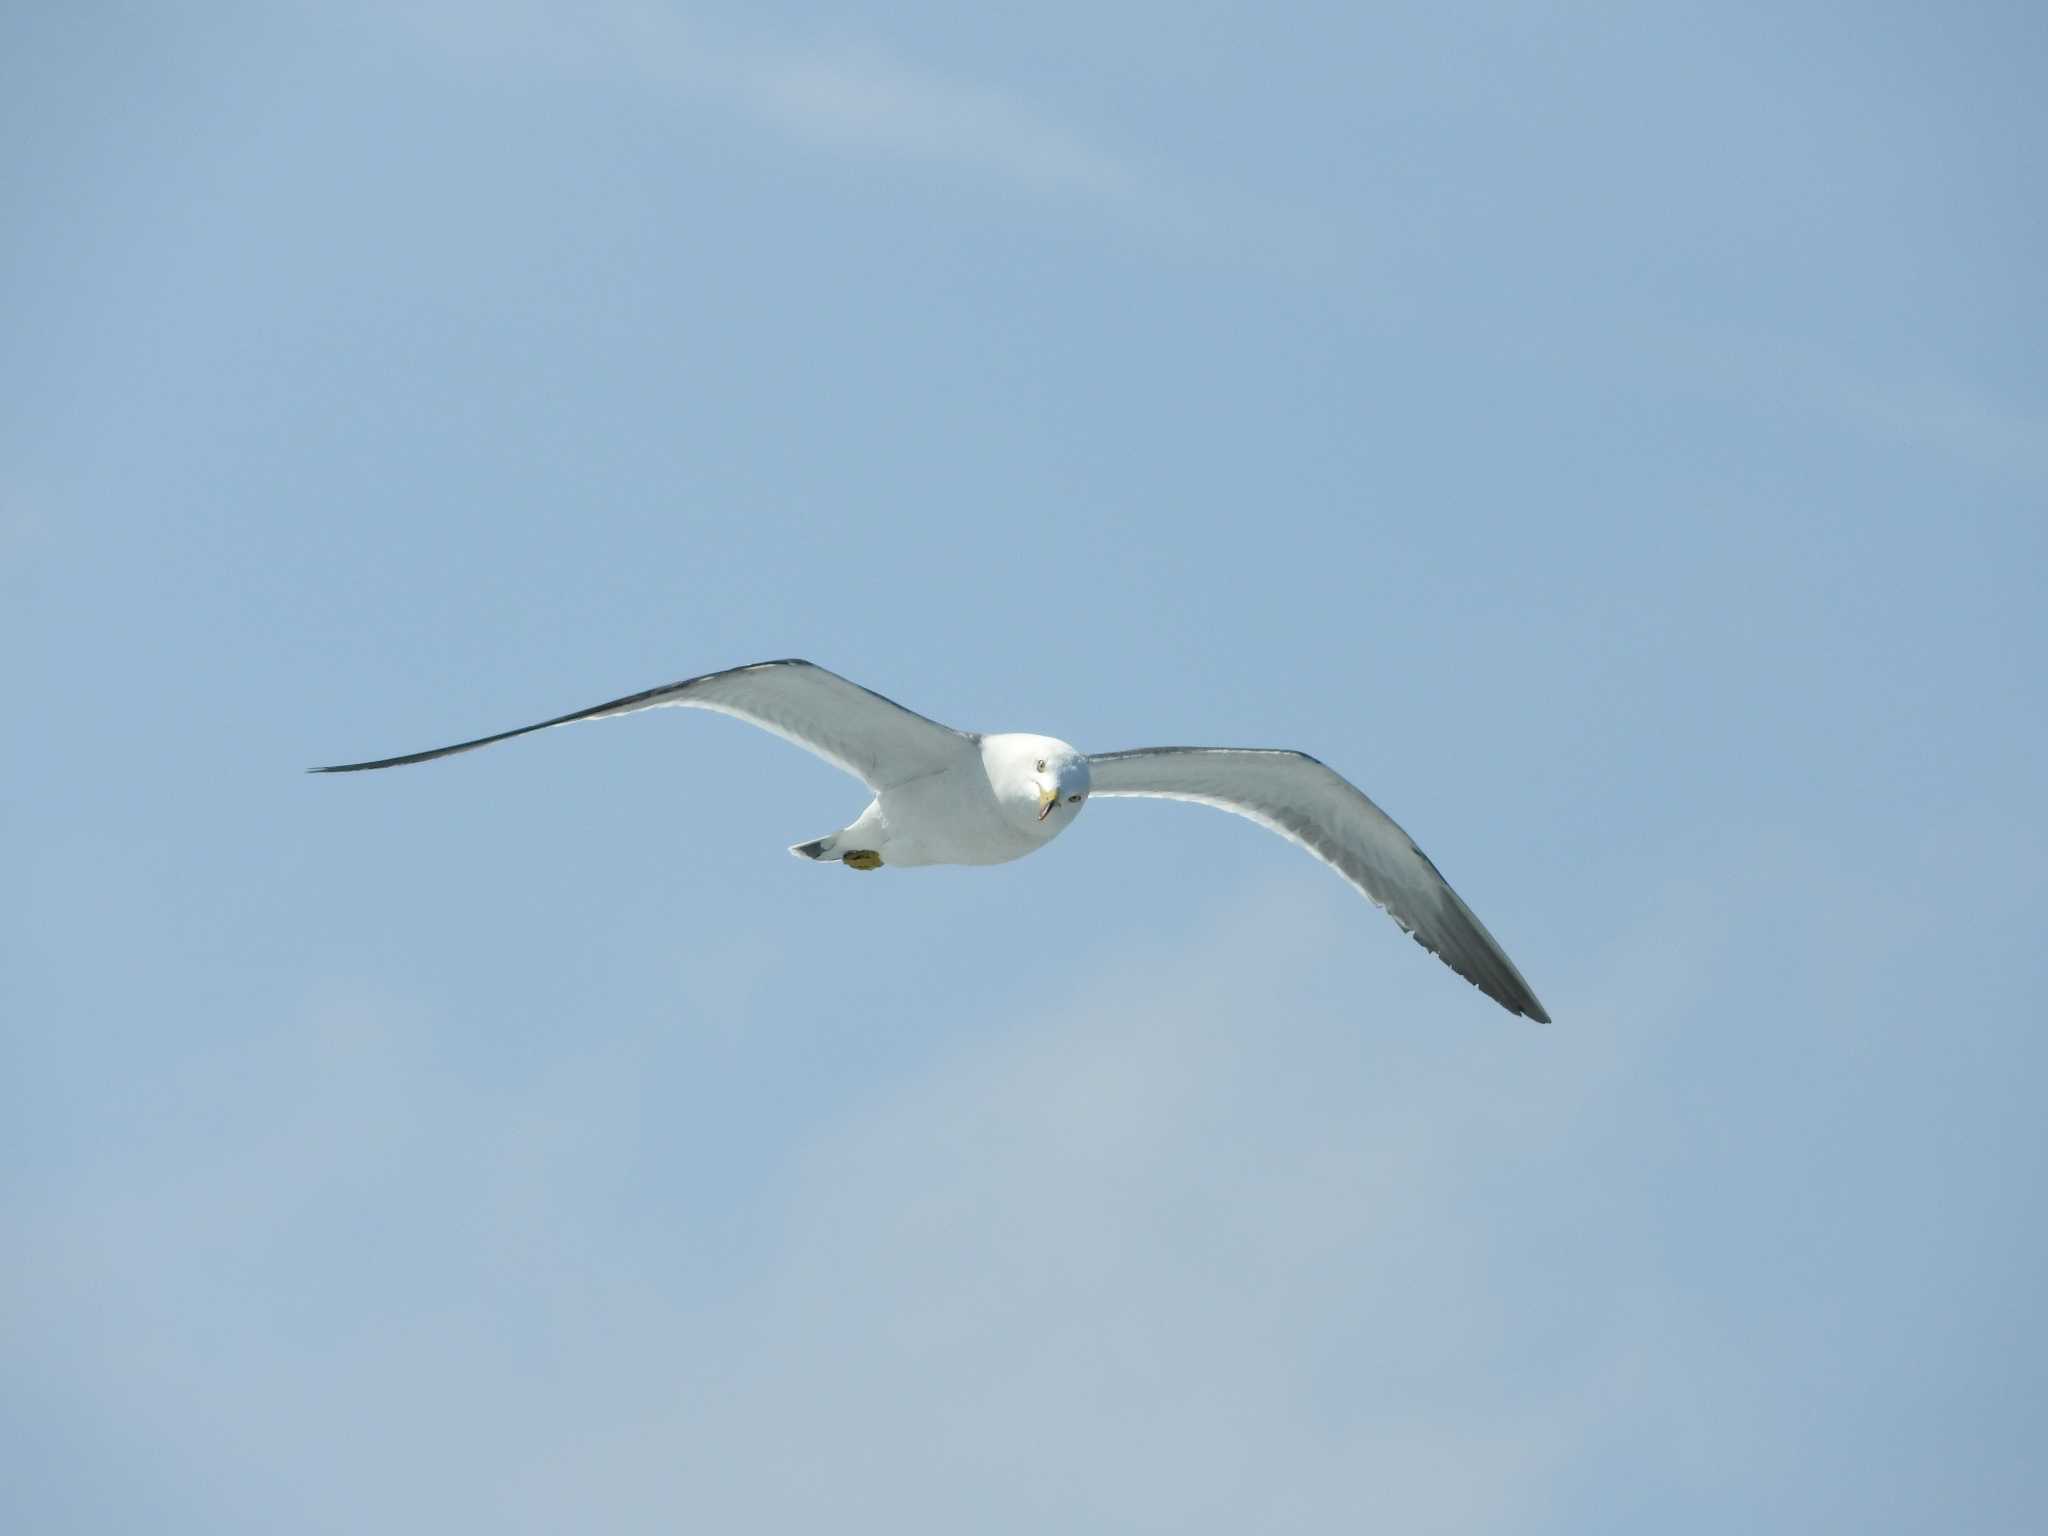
820,848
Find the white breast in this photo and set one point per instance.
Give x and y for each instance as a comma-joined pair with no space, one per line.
958,817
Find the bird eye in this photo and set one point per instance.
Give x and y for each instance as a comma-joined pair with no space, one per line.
1041,765
1073,799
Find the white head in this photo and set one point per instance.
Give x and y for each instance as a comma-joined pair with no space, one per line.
1040,782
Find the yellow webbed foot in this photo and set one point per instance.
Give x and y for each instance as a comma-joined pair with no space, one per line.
862,858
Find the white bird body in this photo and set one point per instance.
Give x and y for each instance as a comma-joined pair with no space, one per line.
984,809
956,797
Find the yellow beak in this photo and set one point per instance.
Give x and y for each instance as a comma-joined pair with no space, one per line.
1048,797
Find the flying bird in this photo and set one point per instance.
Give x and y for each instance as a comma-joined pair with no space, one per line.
959,797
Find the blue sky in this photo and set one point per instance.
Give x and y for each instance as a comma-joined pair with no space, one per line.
1614,437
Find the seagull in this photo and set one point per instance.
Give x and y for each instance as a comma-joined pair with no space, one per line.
944,796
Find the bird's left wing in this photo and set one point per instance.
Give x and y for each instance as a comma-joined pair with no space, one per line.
872,738
1318,809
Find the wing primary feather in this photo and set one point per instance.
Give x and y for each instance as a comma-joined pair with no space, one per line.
855,729
1317,809
632,701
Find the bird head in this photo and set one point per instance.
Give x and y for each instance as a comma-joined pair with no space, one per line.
1039,780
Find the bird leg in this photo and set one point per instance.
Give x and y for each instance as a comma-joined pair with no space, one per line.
862,858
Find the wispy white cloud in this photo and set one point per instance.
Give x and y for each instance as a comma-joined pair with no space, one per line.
1930,411
1211,1240
1973,425
838,92
846,93
859,98
1123,1261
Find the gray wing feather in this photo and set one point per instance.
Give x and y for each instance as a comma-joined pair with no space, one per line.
872,738
1318,809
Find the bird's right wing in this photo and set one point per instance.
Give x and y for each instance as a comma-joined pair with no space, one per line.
875,739
1318,809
